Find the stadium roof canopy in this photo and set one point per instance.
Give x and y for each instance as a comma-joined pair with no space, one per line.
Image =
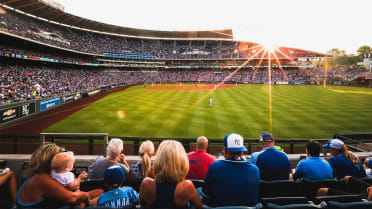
43,10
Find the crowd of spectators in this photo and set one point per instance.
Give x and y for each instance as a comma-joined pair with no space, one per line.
231,181
97,43
19,82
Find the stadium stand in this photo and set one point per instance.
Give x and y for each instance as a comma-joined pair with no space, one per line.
41,59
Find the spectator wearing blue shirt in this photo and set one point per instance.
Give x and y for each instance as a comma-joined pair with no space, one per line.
314,167
273,164
117,197
344,163
368,164
233,181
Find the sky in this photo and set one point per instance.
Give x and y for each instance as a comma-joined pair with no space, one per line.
317,25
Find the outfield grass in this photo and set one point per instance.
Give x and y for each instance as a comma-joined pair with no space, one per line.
302,112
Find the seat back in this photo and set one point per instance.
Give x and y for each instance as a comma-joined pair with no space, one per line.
296,206
280,188
310,187
284,200
350,205
339,198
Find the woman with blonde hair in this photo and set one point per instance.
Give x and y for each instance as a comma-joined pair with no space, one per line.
144,168
169,189
40,190
344,162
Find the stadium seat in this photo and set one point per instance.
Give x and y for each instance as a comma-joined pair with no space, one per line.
284,200
350,205
258,206
339,198
310,187
281,188
4,196
197,183
92,184
296,206
367,179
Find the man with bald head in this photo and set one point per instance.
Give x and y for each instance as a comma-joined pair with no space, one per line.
199,160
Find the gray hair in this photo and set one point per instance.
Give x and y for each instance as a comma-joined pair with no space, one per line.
114,148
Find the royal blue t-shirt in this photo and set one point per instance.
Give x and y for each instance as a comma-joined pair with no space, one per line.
232,183
273,164
118,198
313,168
344,167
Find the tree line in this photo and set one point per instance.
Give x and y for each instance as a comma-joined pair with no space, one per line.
341,58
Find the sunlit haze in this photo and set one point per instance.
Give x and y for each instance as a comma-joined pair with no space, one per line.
316,25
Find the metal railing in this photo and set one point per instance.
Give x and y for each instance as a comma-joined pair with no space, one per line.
89,136
251,144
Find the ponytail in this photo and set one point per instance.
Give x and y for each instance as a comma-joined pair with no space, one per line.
349,155
146,165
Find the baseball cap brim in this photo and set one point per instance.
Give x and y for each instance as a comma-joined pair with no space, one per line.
240,149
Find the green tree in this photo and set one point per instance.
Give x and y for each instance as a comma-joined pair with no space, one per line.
364,52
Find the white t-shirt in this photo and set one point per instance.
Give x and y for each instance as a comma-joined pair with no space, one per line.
63,178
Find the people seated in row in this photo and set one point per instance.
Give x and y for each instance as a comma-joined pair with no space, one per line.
270,169
39,189
199,160
344,162
233,181
313,167
144,168
115,156
169,189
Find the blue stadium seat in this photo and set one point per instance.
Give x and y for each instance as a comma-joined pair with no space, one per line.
350,205
284,200
296,206
281,188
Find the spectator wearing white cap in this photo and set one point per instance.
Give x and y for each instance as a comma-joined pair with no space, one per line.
273,164
344,162
233,181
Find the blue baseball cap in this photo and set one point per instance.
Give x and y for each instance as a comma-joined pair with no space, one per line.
334,143
267,137
114,176
234,143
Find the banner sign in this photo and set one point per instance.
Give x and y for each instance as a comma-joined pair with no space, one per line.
16,112
297,82
70,98
49,103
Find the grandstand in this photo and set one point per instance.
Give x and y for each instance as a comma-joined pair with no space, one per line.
53,64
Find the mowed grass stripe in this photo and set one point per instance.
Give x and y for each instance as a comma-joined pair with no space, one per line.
298,112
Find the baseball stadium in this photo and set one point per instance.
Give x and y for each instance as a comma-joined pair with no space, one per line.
79,84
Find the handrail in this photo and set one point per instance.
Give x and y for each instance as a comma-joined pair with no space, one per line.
250,143
77,136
